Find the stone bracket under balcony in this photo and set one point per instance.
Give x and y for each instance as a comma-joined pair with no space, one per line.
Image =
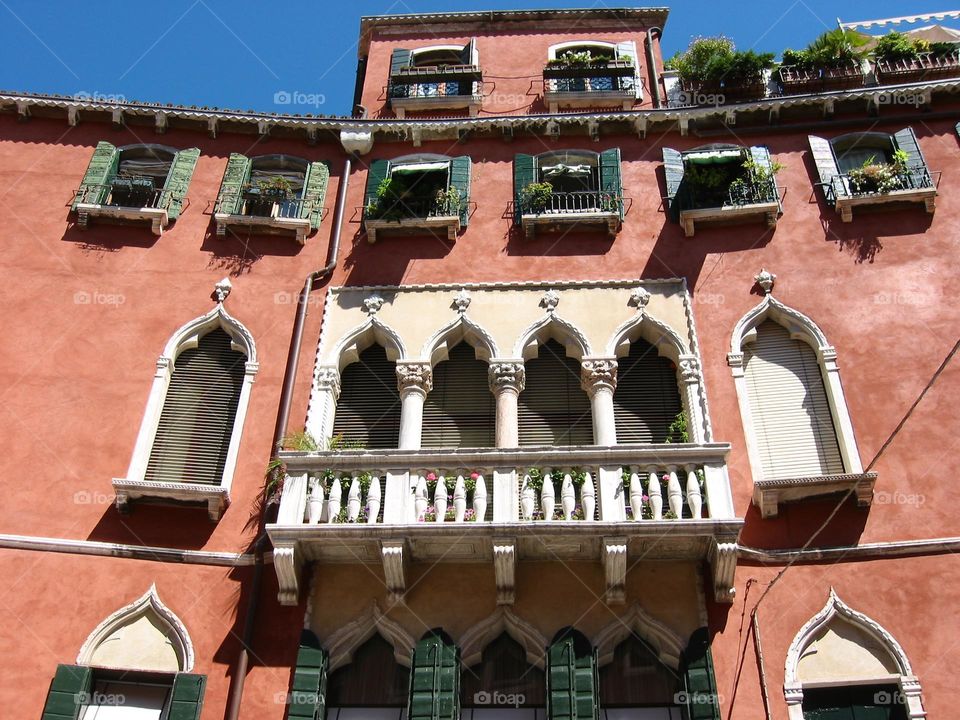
768,211
620,99
846,203
769,494
215,497
554,221
470,103
448,225
157,217
298,228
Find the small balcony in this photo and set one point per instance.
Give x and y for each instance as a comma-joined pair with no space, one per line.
796,80
926,66
412,215
125,199
553,211
605,84
739,201
272,213
437,87
603,504
910,185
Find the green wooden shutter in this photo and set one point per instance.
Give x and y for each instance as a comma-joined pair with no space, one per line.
309,691
231,187
187,696
610,180
460,169
627,50
314,192
102,166
907,141
571,682
673,171
70,686
827,168
376,173
399,58
178,180
524,173
434,680
700,684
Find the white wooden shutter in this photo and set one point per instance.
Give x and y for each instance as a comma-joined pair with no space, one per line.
628,50
196,422
459,411
791,415
368,411
553,409
647,398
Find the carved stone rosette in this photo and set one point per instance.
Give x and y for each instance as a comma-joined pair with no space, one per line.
598,374
504,375
414,377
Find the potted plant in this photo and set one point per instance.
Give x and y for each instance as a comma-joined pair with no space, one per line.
535,197
714,71
447,202
880,177
902,59
834,61
262,197
131,190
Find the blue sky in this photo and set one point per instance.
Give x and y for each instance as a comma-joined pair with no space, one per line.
242,54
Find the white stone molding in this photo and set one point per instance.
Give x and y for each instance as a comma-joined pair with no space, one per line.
460,329
502,620
147,604
723,564
288,564
801,328
664,641
504,568
372,331
414,383
323,401
550,300
551,326
373,304
506,374
554,51
356,141
663,337
598,373
615,570
188,336
344,642
394,569
222,289
835,609
414,376
639,298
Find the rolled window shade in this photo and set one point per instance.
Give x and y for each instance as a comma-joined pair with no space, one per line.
196,424
368,411
647,398
792,422
459,411
553,409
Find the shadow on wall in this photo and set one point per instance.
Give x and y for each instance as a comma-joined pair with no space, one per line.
148,524
102,237
797,521
385,262
236,253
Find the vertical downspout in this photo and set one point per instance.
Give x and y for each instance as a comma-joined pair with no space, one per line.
283,416
652,64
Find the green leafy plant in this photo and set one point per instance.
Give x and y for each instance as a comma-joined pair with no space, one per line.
707,177
535,197
897,46
833,49
677,430
715,60
448,201
582,58
275,185
880,177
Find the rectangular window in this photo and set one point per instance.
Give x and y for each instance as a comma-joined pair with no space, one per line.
114,700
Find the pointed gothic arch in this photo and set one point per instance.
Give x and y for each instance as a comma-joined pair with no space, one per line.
666,643
370,332
856,650
552,327
502,620
641,326
188,334
460,329
799,326
144,635
342,643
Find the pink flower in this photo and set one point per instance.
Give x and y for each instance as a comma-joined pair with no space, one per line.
665,478
431,476
474,475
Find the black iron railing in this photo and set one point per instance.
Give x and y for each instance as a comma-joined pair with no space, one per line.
124,192
615,76
441,81
413,208
561,203
737,194
911,178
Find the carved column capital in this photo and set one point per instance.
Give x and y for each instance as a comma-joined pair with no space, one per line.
598,373
414,377
503,375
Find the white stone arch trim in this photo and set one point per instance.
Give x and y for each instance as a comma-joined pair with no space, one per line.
431,48
343,643
460,329
475,640
187,336
805,329
836,608
371,331
552,326
150,600
555,50
664,641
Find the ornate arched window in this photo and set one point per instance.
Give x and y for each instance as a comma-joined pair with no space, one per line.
553,408
504,670
368,409
189,439
647,398
459,410
373,685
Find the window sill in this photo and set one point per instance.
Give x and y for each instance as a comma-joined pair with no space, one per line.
215,497
556,99
412,226
927,196
299,228
769,494
471,103
157,217
555,220
770,211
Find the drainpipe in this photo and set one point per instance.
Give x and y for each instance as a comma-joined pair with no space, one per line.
283,416
652,64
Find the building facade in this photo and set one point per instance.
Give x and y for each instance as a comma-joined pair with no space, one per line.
541,386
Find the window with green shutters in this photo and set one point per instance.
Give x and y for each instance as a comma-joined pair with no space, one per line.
567,182
435,679
138,176
718,175
572,678
419,186
854,702
309,688
700,699
68,692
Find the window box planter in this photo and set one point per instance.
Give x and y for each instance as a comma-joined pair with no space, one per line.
925,67
801,81
730,92
448,225
922,192
124,200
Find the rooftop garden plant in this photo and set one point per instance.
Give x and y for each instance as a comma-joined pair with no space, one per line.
834,49
715,62
898,46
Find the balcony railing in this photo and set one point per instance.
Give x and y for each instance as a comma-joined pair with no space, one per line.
913,178
736,195
925,67
614,76
273,207
413,208
436,87
419,89
584,201
124,194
